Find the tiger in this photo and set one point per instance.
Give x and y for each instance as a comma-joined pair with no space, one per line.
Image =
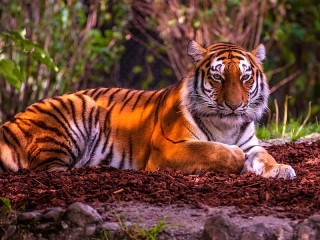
205,122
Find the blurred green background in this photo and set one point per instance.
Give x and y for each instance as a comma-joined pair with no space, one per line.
50,47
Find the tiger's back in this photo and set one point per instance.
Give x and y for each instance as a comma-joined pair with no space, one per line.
82,129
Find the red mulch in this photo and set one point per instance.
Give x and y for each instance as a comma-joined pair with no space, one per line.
298,198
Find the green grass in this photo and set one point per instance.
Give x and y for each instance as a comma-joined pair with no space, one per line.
293,130
5,205
136,231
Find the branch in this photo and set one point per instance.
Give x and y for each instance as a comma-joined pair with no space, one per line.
284,81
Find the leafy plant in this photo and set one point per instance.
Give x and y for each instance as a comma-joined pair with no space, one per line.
136,232
5,206
292,128
50,47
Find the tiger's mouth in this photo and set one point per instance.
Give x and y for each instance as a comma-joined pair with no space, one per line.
235,115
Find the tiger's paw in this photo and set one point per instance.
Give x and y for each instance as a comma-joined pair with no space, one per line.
280,171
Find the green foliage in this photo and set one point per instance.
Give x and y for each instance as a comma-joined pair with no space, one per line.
50,47
294,129
22,48
136,232
10,71
270,131
5,205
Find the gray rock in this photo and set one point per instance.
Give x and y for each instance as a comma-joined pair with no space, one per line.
305,232
109,226
90,230
52,214
255,232
219,227
43,226
28,217
283,232
64,225
82,215
9,232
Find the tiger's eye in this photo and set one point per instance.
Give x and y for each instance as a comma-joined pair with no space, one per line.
217,77
245,77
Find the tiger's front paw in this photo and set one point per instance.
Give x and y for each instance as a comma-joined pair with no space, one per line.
280,171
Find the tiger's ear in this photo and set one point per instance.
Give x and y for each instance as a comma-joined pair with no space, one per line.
196,51
259,52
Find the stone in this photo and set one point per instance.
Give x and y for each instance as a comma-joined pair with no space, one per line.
109,226
28,217
219,227
305,232
283,232
64,225
314,218
9,232
44,227
82,215
90,230
52,214
255,232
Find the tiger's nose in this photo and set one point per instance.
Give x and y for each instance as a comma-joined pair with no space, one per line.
233,105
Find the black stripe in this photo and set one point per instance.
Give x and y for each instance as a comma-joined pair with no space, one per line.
128,100
93,146
123,159
94,92
238,57
196,80
229,50
29,109
86,91
26,134
50,162
110,155
83,114
107,121
63,104
51,140
13,148
2,166
100,93
44,126
12,135
250,60
256,89
126,94
245,142
113,94
41,150
261,79
130,153
61,124
90,120
73,111
243,127
106,90
93,152
203,128
170,140
249,148
63,116
149,99
138,98
160,101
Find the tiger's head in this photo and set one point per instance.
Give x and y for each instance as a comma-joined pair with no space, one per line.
227,83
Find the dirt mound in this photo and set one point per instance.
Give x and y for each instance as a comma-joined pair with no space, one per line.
252,194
